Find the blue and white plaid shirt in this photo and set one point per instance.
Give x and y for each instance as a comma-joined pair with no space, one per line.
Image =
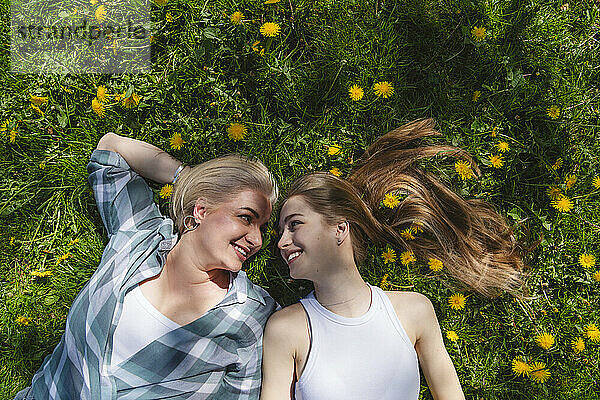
218,356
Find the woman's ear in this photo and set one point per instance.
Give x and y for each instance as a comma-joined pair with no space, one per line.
342,231
200,210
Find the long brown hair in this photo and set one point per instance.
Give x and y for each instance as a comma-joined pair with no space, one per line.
472,240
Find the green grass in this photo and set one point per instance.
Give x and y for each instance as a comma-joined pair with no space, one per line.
294,101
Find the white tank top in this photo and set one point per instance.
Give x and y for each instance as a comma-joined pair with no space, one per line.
369,357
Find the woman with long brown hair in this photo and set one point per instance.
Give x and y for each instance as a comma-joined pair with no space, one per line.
348,339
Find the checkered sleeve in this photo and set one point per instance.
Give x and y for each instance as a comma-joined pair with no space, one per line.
124,199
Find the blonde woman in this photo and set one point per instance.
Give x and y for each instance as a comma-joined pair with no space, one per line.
167,315
350,340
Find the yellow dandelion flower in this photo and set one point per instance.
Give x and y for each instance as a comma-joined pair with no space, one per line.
383,89
12,136
545,340
494,132
476,96
384,282
237,131
391,200
130,101
37,109
570,181
407,234
21,320
176,141
101,94
538,372
463,169
42,165
270,29
592,332
168,17
554,192
100,13
166,191
478,33
98,107
596,182
407,257
237,17
74,241
41,274
389,256
12,241
417,226
435,264
562,204
457,301
520,367
587,260
578,345
335,172
356,92
62,258
5,126
451,335
503,147
271,1
37,100
557,164
93,2
333,149
496,161
596,276
554,112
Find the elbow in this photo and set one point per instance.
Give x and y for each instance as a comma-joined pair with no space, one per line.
108,142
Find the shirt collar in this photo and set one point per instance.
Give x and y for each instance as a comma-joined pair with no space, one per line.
242,289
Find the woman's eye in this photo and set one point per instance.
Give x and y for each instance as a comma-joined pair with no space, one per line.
246,218
293,224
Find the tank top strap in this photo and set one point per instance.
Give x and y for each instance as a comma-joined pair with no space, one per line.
391,313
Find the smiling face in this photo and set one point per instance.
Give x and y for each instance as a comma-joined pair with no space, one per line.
231,233
307,241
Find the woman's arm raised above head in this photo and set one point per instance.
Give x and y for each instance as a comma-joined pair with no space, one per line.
147,160
434,359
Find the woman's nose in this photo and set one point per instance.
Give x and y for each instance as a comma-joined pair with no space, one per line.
284,240
254,238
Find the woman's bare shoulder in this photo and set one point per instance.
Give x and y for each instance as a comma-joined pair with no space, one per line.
287,320
409,300
414,310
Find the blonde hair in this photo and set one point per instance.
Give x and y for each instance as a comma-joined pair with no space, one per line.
216,181
474,242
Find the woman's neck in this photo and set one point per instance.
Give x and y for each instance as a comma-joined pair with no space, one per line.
183,290
344,292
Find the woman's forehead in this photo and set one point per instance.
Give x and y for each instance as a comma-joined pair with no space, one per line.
251,200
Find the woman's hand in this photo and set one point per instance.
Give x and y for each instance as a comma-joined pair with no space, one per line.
147,160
